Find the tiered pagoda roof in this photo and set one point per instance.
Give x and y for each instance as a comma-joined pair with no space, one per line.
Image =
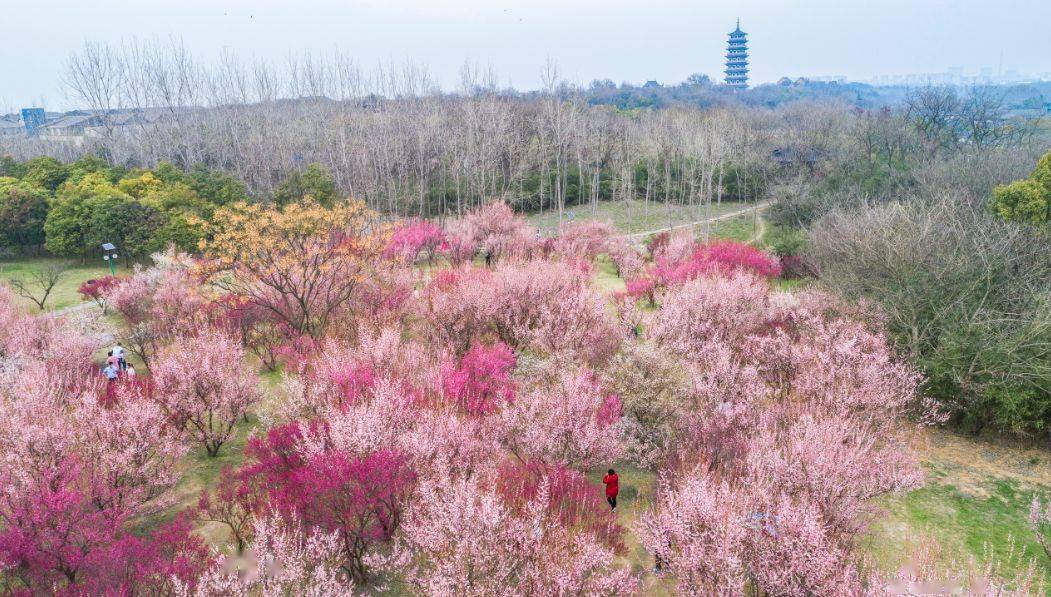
737,58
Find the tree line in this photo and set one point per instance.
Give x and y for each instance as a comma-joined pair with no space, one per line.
393,140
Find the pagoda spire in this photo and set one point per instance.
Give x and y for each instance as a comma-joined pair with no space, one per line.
737,58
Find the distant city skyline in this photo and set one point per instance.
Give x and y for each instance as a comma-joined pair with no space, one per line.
664,40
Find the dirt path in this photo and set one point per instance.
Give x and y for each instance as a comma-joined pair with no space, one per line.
969,462
760,230
73,308
733,214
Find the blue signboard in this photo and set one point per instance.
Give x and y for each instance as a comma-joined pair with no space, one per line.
33,118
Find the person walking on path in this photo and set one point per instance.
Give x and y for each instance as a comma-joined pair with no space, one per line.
111,371
612,488
130,371
118,351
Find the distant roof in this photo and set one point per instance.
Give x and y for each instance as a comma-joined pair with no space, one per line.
70,120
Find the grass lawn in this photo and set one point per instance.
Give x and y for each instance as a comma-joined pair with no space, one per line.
975,503
632,217
606,279
741,229
65,292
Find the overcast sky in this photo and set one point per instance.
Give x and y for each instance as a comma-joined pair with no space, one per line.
623,40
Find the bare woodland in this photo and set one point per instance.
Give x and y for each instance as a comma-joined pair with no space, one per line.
392,139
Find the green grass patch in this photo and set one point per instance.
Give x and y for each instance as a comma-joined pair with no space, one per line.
65,292
742,229
987,522
633,217
606,279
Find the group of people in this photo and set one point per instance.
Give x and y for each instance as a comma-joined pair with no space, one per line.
117,365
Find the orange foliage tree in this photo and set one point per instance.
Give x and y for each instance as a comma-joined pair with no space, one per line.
302,262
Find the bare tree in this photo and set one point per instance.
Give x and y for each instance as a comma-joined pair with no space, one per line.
39,285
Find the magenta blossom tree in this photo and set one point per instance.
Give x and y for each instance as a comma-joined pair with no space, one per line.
481,382
416,239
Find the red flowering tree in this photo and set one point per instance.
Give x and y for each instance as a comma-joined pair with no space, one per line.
680,262
97,289
62,530
233,504
359,499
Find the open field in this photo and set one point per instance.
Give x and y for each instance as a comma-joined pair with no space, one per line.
633,217
65,292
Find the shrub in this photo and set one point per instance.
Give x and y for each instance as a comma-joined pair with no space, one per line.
966,298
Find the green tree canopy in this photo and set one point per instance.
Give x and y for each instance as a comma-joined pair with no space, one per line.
216,187
1022,201
316,182
23,210
46,172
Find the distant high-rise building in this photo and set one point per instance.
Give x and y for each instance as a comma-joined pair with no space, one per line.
737,58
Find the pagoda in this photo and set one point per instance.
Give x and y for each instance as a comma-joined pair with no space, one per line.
737,58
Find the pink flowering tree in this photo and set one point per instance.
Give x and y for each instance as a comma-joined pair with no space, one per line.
570,497
258,329
204,387
717,539
710,310
495,231
1040,523
536,305
584,240
282,559
455,308
573,423
132,449
463,538
157,304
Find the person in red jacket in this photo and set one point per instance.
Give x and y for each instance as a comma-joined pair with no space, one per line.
612,488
